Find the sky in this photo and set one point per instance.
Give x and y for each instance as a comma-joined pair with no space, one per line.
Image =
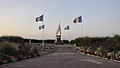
100,18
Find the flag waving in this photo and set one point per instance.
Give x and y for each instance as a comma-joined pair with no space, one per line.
67,28
39,18
42,27
77,20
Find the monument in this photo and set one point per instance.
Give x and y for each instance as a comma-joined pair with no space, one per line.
58,40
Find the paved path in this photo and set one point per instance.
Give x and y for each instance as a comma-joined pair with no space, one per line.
64,57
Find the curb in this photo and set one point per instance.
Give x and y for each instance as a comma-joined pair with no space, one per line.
98,56
101,57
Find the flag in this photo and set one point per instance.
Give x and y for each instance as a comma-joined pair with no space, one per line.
39,18
42,27
77,20
67,28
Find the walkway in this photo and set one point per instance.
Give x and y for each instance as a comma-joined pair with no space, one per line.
64,57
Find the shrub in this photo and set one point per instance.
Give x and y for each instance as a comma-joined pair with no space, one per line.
8,48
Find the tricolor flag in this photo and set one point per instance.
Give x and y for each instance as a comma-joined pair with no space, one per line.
42,27
67,28
78,20
39,18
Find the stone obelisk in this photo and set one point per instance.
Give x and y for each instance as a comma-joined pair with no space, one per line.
58,40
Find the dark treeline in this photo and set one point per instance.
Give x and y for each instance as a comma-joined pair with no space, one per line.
17,39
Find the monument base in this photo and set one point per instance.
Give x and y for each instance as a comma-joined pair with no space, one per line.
58,40
59,43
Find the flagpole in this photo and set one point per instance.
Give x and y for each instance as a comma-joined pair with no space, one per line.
43,43
69,35
81,29
41,27
80,20
43,37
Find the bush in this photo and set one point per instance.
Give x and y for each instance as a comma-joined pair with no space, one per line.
8,48
99,45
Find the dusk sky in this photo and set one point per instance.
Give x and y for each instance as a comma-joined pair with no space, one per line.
100,18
